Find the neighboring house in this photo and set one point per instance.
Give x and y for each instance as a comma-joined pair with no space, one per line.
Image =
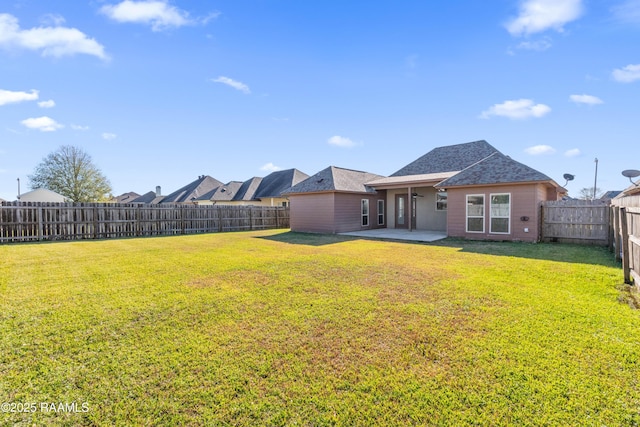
42,195
126,197
336,200
467,190
265,191
221,194
269,191
610,195
190,192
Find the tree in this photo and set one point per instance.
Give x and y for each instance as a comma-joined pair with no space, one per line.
70,171
587,193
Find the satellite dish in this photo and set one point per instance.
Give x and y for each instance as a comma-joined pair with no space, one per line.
568,177
631,173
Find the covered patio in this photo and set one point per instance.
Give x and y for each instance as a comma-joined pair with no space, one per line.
399,234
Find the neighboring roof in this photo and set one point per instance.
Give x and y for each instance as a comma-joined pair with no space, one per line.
495,169
126,197
193,190
448,159
336,179
224,192
247,189
275,183
411,179
145,198
42,195
610,195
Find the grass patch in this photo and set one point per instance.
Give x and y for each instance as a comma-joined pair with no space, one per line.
280,328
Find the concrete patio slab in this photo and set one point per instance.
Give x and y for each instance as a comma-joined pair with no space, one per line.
399,234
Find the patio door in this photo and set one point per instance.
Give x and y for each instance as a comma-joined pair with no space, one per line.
405,211
402,211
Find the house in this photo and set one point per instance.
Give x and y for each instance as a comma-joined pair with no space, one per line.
190,192
336,200
151,197
269,191
126,197
265,191
219,195
468,190
42,195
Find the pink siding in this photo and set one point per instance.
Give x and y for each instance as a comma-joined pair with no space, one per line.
525,202
348,216
333,212
312,212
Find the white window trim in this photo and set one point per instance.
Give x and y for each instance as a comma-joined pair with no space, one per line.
365,202
380,212
491,215
466,221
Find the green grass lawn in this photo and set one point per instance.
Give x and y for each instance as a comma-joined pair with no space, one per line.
280,328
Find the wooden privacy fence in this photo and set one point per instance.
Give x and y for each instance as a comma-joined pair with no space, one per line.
22,222
576,221
626,232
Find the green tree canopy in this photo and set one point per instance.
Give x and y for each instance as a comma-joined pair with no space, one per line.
70,171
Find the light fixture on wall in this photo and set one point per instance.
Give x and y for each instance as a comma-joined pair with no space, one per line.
631,173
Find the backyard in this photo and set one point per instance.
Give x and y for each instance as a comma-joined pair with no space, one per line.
281,328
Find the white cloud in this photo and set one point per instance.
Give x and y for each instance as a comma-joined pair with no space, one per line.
270,167
50,41
43,124
586,99
79,127
538,150
47,104
10,97
628,11
233,83
537,45
574,152
53,19
109,136
516,109
627,74
157,13
540,15
341,141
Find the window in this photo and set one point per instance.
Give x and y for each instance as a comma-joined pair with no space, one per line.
500,213
380,212
441,201
475,213
365,212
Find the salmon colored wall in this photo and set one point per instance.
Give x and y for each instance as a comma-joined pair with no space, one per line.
333,212
526,200
312,212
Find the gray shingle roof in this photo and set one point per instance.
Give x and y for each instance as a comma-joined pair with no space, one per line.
275,183
336,179
448,159
193,190
495,169
145,198
247,189
222,193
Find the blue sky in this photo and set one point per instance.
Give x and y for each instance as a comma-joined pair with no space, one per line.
160,92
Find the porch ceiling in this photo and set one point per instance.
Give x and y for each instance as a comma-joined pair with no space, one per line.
410,180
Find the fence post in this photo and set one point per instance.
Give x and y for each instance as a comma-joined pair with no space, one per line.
220,219
250,218
40,225
625,245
